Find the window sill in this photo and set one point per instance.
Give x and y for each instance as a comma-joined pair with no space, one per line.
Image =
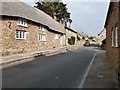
42,41
42,29
116,47
112,46
22,25
20,38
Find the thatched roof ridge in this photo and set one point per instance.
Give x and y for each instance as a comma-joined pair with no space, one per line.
20,9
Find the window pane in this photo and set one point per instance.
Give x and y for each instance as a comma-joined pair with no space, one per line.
23,34
18,21
20,34
17,34
112,37
116,37
22,22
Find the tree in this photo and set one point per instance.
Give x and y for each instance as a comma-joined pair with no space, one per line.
55,8
91,37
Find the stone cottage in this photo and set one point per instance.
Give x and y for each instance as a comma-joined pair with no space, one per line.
70,33
102,36
112,26
26,29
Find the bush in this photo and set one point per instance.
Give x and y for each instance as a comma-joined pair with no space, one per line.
91,38
83,37
71,40
104,41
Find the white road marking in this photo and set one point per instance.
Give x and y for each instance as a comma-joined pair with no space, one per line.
86,73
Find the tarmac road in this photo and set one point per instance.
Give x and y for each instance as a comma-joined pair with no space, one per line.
65,70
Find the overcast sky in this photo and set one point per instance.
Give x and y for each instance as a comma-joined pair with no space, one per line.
87,17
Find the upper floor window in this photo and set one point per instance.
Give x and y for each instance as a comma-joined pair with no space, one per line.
56,36
41,28
22,22
41,37
20,34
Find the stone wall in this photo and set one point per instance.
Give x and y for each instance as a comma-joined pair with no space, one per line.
11,45
69,33
102,36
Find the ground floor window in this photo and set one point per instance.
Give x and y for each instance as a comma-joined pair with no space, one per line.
116,36
56,36
112,37
41,37
20,34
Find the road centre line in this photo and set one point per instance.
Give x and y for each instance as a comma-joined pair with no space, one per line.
87,71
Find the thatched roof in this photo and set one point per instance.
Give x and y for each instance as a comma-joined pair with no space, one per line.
20,9
70,29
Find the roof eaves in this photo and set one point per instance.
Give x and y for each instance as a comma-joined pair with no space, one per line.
108,14
55,27
70,29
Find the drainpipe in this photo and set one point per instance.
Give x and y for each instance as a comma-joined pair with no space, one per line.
65,36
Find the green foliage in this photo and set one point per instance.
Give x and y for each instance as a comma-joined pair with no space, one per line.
104,41
83,37
71,40
54,8
91,38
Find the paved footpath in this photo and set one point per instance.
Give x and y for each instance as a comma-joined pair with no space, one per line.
100,73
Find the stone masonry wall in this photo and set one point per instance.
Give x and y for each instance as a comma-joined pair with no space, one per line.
11,45
69,34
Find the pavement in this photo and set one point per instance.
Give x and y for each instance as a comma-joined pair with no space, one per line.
100,73
85,67
7,61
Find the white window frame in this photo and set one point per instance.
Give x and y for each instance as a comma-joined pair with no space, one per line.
22,22
56,36
41,27
20,34
41,37
113,37
116,36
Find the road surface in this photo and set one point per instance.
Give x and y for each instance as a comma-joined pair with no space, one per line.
65,70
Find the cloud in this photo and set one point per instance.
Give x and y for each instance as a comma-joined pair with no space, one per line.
86,9
88,16
28,0
89,0
81,8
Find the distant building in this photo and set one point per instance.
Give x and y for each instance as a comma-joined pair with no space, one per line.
82,35
112,26
102,36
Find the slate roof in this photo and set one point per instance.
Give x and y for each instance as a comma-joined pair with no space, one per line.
20,9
